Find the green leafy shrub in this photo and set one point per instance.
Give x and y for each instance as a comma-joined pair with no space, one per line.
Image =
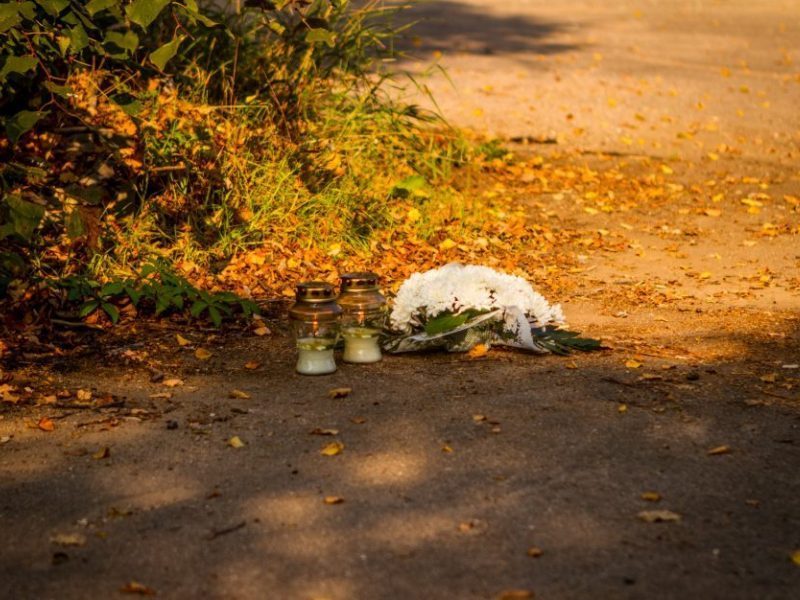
157,289
155,128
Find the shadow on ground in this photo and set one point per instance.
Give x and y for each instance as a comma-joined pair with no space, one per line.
452,470
448,26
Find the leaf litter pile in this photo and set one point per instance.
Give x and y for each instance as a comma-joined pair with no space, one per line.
556,221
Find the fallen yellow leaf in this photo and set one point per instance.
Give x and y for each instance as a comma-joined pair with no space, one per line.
796,557
261,331
235,442
719,450
478,351
182,341
651,496
341,392
622,408
473,526
239,395
535,552
321,431
104,452
332,449
447,244
174,382
658,516
515,595
134,587
45,400
202,354
68,539
632,364
46,424
252,365
447,449
769,378
333,499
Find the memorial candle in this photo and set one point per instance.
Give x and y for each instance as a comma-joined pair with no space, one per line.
315,322
363,315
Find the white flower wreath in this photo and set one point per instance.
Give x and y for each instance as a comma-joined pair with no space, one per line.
458,306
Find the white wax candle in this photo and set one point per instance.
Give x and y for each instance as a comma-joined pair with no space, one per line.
315,362
315,357
361,345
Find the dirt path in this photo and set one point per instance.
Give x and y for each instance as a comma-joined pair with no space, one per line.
454,470
679,78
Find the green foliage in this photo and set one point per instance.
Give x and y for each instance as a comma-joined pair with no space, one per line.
141,128
447,321
155,288
21,218
413,185
492,150
562,341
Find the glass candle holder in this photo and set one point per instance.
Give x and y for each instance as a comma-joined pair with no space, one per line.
315,324
363,316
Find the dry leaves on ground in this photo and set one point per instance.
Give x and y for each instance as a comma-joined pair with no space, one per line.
202,354
332,449
321,431
658,516
515,595
68,539
102,453
478,351
134,587
473,526
235,442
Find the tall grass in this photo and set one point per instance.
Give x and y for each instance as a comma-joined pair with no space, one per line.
279,138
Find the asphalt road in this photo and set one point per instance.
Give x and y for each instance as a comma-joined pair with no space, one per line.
453,470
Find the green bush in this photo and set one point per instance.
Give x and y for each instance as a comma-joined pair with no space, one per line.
155,288
144,129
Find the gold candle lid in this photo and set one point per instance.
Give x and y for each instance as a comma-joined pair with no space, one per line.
362,281
359,292
315,300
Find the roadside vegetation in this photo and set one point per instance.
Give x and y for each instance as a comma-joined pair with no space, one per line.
168,156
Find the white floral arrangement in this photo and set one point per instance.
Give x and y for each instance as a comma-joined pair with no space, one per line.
457,306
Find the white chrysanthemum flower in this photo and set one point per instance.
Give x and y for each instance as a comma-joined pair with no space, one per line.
455,288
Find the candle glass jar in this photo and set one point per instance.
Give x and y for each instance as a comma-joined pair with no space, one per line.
315,324
363,317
